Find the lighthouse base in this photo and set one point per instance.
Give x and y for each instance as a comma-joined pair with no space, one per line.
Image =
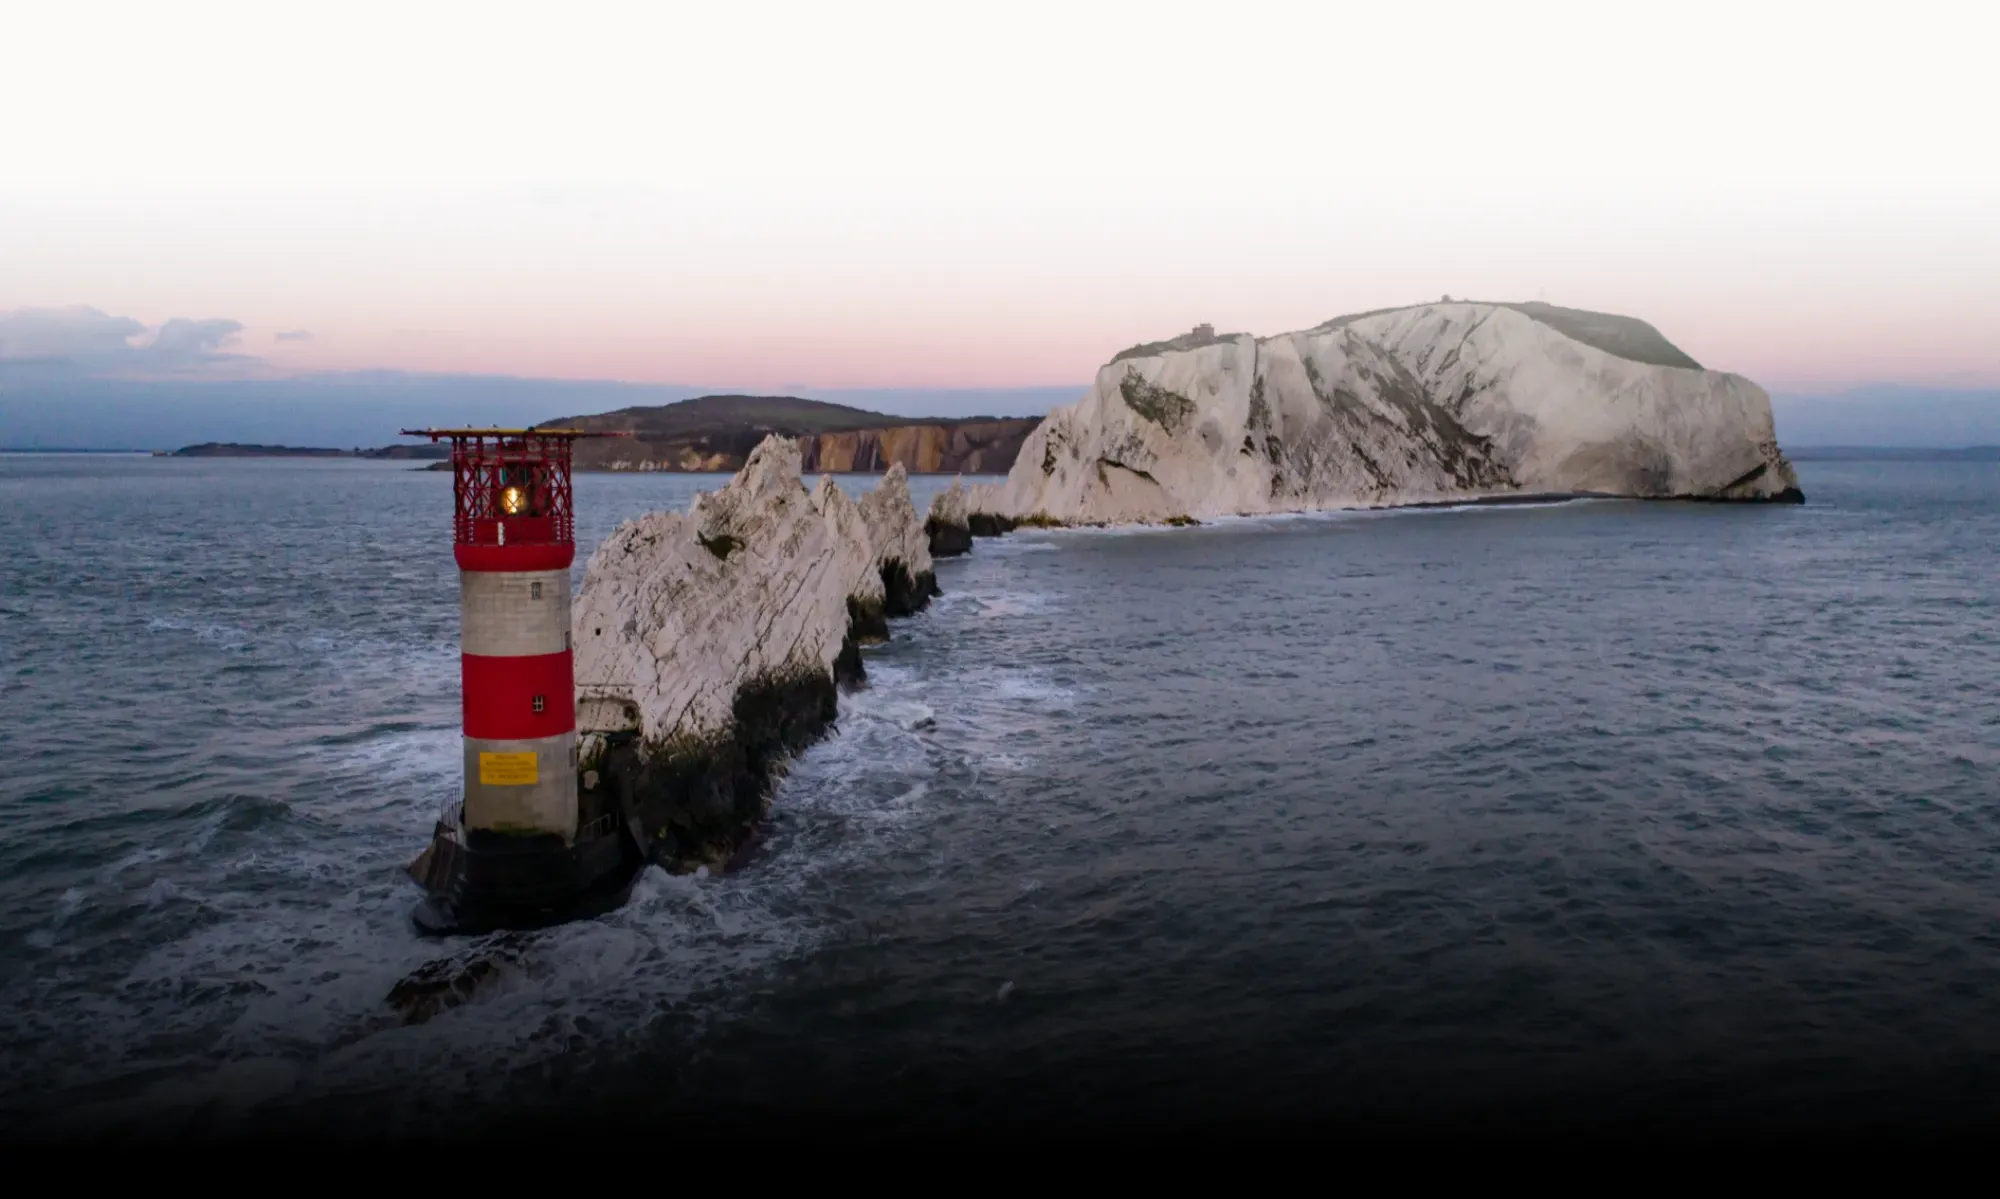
483,882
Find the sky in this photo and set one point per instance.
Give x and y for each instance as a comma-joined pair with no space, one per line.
916,199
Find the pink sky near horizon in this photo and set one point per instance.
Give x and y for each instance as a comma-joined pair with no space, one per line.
903,197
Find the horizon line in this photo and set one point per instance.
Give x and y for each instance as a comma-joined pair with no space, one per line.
797,390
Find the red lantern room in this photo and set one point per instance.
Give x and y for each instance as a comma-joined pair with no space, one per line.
513,508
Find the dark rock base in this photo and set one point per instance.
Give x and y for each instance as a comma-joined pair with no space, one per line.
700,802
478,881
905,594
697,800
986,524
947,540
1790,495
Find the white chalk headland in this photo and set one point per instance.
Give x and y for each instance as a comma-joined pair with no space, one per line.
1433,403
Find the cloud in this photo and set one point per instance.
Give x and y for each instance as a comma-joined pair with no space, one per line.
82,340
181,339
295,335
36,334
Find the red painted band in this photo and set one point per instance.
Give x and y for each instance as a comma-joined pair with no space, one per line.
499,696
502,559
532,530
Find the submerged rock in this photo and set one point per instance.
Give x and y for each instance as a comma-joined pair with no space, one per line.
1438,403
710,646
445,983
949,525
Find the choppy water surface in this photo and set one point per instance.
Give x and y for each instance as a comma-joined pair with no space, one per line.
1399,809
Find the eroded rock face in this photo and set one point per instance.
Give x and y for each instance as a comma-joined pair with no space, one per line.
949,525
927,449
901,547
709,646
1435,403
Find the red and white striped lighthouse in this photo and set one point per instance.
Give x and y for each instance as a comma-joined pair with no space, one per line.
516,852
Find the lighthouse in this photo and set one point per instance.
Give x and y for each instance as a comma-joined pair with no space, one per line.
517,849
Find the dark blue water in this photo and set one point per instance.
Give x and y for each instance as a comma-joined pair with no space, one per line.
1578,806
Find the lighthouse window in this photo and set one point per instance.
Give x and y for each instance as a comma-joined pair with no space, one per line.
539,703
534,591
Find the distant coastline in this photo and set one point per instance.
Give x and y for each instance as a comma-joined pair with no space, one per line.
231,449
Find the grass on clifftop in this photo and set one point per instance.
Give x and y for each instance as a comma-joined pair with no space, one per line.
1186,341
789,415
1621,336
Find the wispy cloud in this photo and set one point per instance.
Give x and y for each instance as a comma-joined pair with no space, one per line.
86,341
295,335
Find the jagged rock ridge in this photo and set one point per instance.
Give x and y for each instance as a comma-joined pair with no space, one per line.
1433,403
710,646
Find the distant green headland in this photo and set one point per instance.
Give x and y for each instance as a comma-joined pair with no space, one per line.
231,449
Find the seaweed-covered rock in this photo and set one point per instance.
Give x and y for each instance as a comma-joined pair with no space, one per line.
710,646
445,983
988,524
949,524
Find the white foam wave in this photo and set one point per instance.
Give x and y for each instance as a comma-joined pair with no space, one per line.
1007,605
225,636
1033,689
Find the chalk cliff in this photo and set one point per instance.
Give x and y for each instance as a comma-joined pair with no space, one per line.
717,433
709,646
965,447
1433,403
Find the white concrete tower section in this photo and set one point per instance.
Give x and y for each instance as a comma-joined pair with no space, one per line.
520,716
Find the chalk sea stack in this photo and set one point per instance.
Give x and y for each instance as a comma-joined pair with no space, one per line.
900,543
1434,403
949,525
711,646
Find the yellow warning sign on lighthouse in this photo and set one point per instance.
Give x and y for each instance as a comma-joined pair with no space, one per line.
509,770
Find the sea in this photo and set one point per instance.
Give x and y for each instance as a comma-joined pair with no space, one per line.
1518,816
